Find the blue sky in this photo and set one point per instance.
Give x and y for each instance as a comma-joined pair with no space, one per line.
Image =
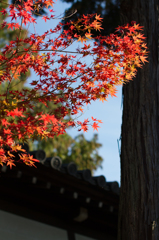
110,112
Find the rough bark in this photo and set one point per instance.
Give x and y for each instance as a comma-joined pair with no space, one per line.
139,196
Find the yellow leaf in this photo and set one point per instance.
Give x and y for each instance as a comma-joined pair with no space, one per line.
32,57
4,102
1,72
81,39
81,109
14,104
143,59
88,35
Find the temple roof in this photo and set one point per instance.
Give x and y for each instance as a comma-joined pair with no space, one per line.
60,195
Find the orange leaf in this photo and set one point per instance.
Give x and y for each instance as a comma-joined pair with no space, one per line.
97,17
95,126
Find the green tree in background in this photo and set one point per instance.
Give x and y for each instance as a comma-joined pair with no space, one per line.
78,150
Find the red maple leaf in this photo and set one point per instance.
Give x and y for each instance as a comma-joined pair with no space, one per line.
95,126
45,18
94,119
3,11
84,127
16,113
11,25
5,122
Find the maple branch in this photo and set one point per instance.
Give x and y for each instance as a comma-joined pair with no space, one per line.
49,50
20,30
68,16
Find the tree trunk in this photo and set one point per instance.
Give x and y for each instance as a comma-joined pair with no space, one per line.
139,196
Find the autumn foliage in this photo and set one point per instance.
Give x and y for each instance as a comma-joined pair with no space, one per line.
63,77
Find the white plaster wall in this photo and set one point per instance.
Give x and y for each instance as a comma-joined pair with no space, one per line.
13,227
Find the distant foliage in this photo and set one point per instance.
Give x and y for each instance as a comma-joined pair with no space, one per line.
79,150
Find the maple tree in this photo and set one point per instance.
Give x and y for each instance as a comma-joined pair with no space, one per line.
62,75
83,152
